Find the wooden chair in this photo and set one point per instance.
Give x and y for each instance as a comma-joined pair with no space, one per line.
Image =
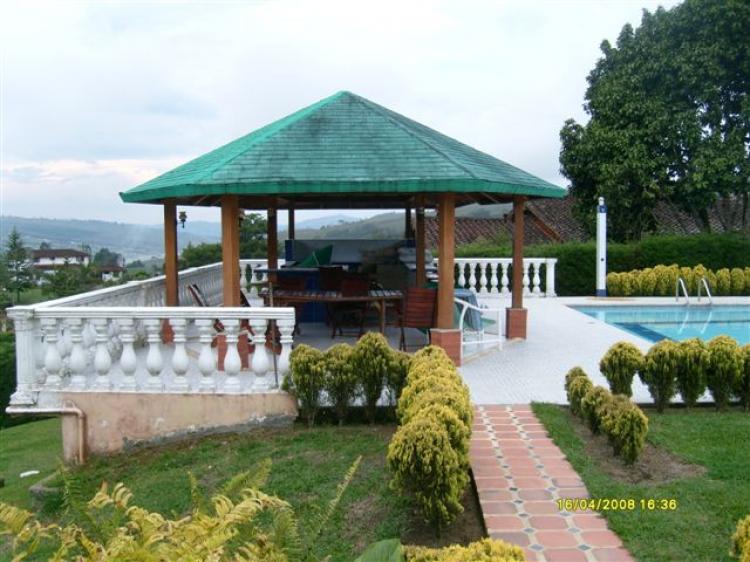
292,284
329,279
351,286
418,312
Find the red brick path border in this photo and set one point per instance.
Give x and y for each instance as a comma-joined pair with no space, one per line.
520,474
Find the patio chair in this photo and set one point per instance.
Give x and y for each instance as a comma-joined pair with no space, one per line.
418,312
329,279
350,313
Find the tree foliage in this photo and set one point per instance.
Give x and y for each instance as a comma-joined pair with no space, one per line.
669,117
17,268
253,231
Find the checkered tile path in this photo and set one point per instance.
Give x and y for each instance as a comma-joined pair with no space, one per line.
520,474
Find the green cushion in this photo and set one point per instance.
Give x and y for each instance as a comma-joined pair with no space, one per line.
318,258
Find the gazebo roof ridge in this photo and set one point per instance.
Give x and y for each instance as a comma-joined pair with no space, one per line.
342,144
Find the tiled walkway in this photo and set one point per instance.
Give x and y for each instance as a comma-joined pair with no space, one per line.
520,474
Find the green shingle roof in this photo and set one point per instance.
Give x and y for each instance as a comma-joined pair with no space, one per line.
342,144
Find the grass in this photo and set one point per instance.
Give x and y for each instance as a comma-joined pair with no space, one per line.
308,464
709,506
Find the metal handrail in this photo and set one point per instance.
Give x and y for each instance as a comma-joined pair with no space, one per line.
681,283
704,283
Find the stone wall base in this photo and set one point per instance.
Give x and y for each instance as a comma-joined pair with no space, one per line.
515,323
450,341
118,420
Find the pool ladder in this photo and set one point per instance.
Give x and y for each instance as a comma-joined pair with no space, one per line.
702,284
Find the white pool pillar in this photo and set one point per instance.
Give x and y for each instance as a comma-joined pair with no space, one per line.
601,249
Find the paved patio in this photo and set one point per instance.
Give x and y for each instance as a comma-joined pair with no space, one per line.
534,369
520,474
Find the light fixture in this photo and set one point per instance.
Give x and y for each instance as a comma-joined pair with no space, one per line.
183,218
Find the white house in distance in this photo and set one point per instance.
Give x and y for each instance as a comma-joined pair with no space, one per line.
46,261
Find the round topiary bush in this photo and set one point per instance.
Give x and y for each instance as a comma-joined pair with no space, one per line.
340,379
619,365
726,363
423,462
306,379
446,396
372,360
592,405
659,372
458,432
691,372
398,373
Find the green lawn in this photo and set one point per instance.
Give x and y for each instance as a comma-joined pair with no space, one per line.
307,466
709,505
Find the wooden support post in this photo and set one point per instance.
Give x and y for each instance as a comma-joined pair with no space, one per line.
408,233
516,315
171,297
421,276
230,249
272,238
290,227
446,249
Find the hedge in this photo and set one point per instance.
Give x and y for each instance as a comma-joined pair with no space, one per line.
576,265
621,420
661,281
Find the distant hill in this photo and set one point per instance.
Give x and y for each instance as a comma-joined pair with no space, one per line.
139,242
134,241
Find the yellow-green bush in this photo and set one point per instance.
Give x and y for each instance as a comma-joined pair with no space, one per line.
619,365
659,372
723,282
307,370
661,280
423,368
725,360
591,406
397,376
691,373
340,379
424,463
454,400
741,540
625,425
577,384
438,380
743,386
432,353
458,432
484,550
372,360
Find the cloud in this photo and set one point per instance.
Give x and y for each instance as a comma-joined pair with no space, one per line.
95,95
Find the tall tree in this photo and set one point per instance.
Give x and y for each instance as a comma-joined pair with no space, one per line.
669,117
106,257
19,273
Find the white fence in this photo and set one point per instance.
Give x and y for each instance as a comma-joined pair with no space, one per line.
491,276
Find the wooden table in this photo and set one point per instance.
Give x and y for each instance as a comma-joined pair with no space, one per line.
381,296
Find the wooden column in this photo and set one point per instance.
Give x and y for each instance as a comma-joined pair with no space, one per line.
407,223
272,252
446,249
421,277
516,315
172,297
230,249
290,227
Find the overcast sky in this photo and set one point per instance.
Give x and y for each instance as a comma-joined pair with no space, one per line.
99,97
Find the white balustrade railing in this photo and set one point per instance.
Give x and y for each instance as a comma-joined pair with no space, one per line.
491,276
147,349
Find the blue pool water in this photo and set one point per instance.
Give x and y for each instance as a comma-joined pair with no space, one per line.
676,322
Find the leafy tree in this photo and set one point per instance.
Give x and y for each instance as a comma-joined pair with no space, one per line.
44,246
106,257
252,244
669,117
19,273
71,280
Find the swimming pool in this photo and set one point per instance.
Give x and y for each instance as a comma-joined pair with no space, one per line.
656,323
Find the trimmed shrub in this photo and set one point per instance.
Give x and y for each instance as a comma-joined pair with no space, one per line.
340,380
446,395
626,427
741,540
398,373
619,365
725,369
458,432
723,282
372,360
307,371
743,385
691,372
424,463
577,384
592,404
484,550
659,372
432,353
737,276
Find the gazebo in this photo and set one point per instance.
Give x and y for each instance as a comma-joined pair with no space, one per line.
346,152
